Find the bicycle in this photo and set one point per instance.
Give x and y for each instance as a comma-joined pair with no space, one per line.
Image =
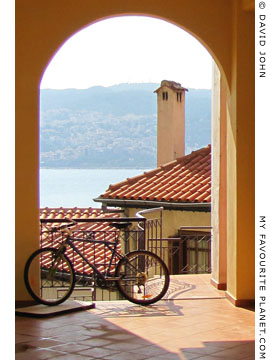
141,276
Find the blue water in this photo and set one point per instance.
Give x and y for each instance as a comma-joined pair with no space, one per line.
78,187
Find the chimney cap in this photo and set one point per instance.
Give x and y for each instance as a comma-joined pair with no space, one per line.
172,85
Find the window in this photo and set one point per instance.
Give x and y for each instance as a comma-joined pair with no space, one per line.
165,95
191,253
179,96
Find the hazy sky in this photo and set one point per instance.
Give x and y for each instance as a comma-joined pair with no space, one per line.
126,50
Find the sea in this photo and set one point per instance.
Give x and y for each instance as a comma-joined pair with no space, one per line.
78,187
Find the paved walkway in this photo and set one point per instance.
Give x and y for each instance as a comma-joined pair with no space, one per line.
196,324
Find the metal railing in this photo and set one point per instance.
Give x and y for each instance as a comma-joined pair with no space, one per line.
152,229
197,241
188,253
130,238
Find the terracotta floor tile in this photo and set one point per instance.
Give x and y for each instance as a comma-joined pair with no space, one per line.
123,346
19,338
38,354
121,337
45,343
202,350
28,330
167,356
73,357
212,357
191,356
236,353
223,345
97,352
151,350
205,329
125,356
176,345
71,348
46,333
71,337
94,342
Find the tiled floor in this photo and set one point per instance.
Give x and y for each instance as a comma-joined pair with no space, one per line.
192,326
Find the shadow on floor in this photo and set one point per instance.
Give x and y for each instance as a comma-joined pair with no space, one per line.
81,336
233,350
142,333
161,308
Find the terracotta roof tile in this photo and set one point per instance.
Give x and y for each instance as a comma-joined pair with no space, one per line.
203,188
186,179
192,197
97,252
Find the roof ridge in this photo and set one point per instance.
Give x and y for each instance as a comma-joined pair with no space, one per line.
76,212
203,150
133,179
68,208
113,186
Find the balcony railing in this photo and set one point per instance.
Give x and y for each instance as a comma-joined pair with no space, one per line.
105,229
188,253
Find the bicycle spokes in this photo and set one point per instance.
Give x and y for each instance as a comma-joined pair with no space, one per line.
49,276
144,277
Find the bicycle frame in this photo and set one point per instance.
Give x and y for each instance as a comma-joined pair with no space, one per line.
139,275
111,246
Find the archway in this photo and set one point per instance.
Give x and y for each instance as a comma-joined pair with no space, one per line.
125,50
219,27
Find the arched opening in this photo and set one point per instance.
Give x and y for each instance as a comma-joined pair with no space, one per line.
148,51
220,27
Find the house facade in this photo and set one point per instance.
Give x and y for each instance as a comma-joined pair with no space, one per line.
182,188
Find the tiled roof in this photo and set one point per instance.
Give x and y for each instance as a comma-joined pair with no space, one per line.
75,213
95,253
184,180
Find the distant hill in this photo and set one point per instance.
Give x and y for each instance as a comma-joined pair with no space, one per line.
112,127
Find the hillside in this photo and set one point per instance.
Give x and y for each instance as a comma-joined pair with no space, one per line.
112,127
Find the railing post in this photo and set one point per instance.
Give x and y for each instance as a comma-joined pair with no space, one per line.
196,255
149,224
160,232
142,237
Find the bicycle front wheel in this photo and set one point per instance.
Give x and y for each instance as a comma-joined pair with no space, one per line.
56,279
144,277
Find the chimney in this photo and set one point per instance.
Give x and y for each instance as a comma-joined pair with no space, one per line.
170,121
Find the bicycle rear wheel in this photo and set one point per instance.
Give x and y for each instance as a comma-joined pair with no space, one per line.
56,276
144,277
